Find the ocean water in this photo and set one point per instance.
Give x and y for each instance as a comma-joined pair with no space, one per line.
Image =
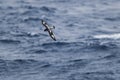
87,46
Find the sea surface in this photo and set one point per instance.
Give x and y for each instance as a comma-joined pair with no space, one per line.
87,46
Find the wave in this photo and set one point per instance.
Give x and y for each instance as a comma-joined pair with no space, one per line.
76,47
110,56
100,44
110,36
113,19
27,34
28,12
62,44
31,62
31,19
93,75
18,65
29,7
36,51
47,9
8,41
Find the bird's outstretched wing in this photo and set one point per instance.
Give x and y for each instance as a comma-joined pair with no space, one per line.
49,29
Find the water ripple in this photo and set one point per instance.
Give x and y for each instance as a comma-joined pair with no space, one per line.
10,41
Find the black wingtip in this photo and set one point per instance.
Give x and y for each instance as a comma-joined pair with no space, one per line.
54,39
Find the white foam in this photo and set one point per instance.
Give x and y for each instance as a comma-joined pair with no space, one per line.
111,36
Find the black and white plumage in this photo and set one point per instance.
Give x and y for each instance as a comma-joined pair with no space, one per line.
49,29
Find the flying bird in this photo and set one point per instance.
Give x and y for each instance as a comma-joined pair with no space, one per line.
49,29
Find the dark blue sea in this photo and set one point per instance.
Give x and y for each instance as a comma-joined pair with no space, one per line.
87,46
